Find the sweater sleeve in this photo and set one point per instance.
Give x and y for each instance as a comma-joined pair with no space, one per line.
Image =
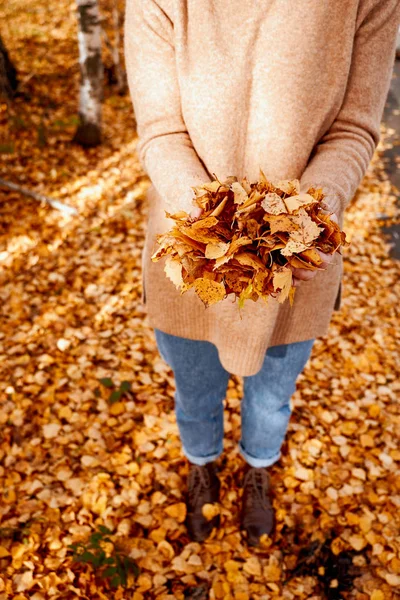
340,159
164,147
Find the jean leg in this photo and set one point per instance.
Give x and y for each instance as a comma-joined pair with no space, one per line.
200,382
266,407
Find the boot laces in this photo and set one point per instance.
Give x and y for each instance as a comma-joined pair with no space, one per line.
256,483
199,479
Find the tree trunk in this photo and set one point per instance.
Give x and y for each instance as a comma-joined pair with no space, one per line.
120,75
88,132
8,73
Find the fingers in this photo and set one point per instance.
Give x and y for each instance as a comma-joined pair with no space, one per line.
296,282
303,274
333,216
327,259
300,275
186,203
195,212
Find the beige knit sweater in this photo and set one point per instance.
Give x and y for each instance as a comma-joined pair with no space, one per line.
296,87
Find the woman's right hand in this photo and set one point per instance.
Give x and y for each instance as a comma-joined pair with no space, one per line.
186,203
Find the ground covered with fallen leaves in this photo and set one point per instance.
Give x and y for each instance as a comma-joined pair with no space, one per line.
88,438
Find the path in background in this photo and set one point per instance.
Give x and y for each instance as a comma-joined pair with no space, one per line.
391,155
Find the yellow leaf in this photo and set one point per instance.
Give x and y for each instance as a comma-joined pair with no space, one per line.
221,261
117,408
374,410
240,194
337,546
232,566
204,223
300,239
295,202
219,208
304,474
18,550
282,223
166,242
357,542
212,186
210,511
291,295
272,573
173,270
273,204
282,280
265,540
24,581
312,256
143,582
245,294
166,549
392,579
287,185
252,566
158,535
180,215
248,259
177,511
216,250
209,291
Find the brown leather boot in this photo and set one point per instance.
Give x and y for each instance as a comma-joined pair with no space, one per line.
257,515
203,487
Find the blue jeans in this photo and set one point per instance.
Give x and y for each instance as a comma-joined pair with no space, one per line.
201,382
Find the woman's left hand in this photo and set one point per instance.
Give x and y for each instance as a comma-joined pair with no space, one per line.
300,275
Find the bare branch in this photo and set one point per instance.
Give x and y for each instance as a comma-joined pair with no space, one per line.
64,208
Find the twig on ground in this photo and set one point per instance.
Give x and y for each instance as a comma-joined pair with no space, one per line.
64,208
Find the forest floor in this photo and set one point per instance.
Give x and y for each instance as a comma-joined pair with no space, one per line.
80,449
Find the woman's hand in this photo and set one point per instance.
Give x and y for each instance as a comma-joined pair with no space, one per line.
300,275
195,212
186,203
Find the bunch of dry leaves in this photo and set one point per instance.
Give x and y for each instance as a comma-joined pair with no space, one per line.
247,239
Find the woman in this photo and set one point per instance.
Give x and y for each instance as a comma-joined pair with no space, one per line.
294,87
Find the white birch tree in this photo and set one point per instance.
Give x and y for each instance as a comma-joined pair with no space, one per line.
88,132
